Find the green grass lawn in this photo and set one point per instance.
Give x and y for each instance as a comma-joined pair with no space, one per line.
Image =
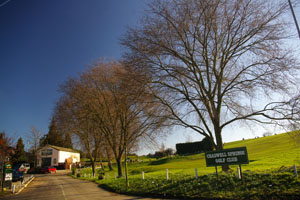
270,152
264,153
267,155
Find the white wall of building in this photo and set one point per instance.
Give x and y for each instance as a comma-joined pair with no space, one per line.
56,156
63,155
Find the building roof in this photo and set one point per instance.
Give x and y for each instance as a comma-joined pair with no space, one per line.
61,148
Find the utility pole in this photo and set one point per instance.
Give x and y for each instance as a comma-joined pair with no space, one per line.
294,16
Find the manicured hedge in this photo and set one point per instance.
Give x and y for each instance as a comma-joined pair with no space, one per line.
194,147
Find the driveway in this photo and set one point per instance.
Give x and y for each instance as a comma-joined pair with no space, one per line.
60,186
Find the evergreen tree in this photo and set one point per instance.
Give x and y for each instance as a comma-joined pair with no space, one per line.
68,141
53,137
20,154
44,140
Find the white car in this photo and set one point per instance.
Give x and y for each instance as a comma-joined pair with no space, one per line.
23,167
26,167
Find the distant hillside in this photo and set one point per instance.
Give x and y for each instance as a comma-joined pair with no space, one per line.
267,179
271,151
264,153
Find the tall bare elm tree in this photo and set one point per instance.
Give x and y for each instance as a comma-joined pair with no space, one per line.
216,62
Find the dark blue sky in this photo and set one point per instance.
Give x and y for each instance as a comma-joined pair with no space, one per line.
43,42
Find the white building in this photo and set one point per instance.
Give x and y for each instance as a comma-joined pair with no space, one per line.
56,156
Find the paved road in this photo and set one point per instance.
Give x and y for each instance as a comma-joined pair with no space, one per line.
59,186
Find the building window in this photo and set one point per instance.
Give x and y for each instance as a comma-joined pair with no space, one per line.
54,161
47,152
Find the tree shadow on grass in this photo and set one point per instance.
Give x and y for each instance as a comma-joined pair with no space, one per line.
159,162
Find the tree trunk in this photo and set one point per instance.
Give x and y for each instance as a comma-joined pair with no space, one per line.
119,164
100,159
93,166
219,141
109,160
101,164
35,158
109,164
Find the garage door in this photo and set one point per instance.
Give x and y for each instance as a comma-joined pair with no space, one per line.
46,162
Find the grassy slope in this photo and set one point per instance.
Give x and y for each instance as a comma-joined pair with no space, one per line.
270,152
264,153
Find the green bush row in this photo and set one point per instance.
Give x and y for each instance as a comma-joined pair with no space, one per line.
274,185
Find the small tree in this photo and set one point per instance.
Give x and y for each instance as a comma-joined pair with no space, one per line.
169,152
162,148
265,134
20,154
5,143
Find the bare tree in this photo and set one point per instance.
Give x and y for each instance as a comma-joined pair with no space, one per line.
169,152
216,62
71,116
119,103
34,138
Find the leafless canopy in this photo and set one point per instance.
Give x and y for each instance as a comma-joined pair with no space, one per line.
216,62
113,104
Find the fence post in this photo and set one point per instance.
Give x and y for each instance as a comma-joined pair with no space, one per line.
196,173
167,174
295,171
143,175
14,189
238,173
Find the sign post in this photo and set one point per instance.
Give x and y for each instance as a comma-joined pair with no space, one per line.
217,174
241,173
8,175
234,156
